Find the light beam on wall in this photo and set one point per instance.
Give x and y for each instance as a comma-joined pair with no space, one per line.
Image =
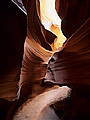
52,22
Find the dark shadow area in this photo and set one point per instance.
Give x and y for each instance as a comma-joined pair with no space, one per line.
13,25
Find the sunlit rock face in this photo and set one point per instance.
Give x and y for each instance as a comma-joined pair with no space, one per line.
37,50
48,14
72,63
35,35
52,22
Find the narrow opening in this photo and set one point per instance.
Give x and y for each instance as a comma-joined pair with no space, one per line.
52,22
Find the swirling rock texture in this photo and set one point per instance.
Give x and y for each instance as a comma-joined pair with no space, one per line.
70,62
58,70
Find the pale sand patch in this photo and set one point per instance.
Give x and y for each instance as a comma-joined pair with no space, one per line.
33,109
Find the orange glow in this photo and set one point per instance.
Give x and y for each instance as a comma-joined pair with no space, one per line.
52,22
